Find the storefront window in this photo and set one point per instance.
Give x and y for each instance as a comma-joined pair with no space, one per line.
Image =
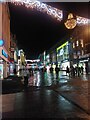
63,52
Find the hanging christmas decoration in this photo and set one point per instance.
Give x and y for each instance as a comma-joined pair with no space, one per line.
70,22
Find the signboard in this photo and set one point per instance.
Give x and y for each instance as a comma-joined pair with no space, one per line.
4,54
1,43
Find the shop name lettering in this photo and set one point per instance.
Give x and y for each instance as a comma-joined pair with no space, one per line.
4,54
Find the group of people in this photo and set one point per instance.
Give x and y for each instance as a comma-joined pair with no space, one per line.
74,71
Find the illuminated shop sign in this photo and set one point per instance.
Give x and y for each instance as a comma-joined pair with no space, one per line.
62,46
61,52
1,43
4,54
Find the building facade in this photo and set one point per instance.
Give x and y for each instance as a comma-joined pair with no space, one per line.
5,36
81,47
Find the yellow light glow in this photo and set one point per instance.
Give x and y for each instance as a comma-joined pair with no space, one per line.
70,22
62,46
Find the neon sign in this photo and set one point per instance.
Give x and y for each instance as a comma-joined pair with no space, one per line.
4,54
62,46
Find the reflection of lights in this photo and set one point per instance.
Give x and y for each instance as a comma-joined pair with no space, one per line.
63,81
70,22
49,79
38,79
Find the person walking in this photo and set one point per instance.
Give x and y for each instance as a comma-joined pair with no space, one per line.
51,69
82,70
26,74
67,70
57,71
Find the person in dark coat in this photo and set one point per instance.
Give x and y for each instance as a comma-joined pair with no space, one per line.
67,70
26,74
82,70
57,71
51,69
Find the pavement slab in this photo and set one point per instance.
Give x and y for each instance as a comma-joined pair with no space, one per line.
77,90
42,103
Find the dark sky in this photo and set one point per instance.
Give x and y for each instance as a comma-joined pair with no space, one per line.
36,31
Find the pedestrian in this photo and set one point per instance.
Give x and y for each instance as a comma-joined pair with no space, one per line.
15,72
79,71
72,71
67,70
86,68
76,70
57,71
44,69
26,74
82,70
51,69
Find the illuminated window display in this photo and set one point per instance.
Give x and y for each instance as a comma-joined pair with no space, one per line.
63,56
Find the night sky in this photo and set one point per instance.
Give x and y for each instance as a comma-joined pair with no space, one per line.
36,31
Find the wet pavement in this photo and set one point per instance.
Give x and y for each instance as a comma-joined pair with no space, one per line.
49,96
40,103
42,79
77,90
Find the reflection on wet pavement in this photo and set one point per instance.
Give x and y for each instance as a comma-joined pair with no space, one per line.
45,79
39,104
75,89
38,100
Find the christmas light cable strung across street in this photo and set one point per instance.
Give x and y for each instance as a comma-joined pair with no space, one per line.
34,4
54,12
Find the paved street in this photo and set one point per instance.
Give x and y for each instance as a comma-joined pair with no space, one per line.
77,91
44,60
39,103
48,97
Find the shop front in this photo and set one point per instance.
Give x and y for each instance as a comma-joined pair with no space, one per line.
85,62
4,63
53,59
63,56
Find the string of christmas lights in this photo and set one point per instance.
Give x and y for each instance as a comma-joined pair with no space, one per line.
54,12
